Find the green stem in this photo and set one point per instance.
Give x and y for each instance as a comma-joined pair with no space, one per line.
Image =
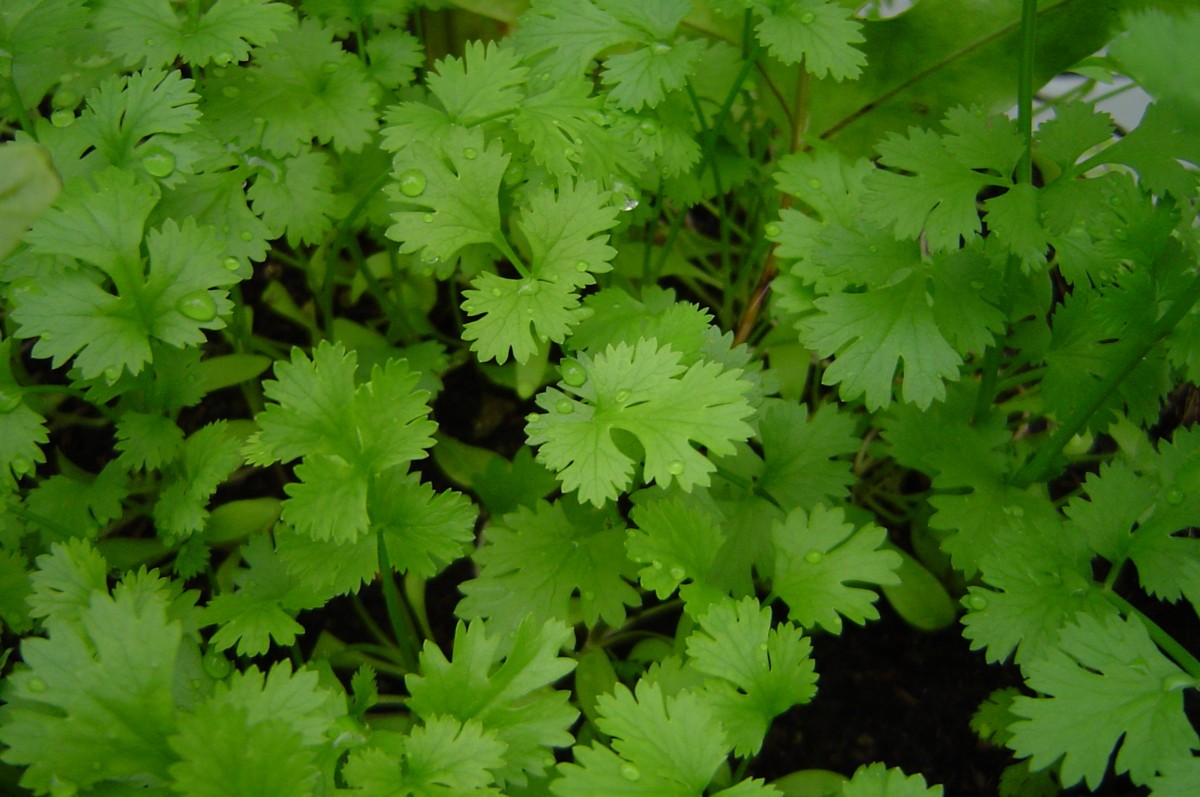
401,622
1035,469
18,108
1178,653
506,248
1025,87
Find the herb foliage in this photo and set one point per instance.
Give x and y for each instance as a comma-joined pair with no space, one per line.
749,267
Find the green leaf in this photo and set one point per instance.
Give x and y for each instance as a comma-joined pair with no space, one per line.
346,434
799,451
563,36
677,541
210,455
876,780
263,607
761,671
535,561
154,31
301,202
450,191
868,334
646,391
442,758
22,431
258,735
302,86
147,442
485,82
666,745
817,556
65,580
643,77
501,682
1106,676
818,33
28,187
94,701
43,39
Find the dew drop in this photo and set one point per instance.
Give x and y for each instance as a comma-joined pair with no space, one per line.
808,18
65,98
246,235
529,288
112,374
648,127
149,42
814,184
1174,496
531,417
660,48
569,152
158,162
223,58
675,468
678,573
622,396
497,292
977,602
814,557
10,399
772,230
564,406
197,306
873,249
62,118
231,264
630,204
427,218
657,565
573,374
412,182
630,772
581,266
470,153
231,92
430,259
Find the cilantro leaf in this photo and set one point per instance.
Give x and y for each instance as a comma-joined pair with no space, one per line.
264,605
347,434
301,202
65,580
676,540
616,317
154,31
442,758
643,77
877,780
258,735
1109,677
450,193
646,391
817,556
563,36
302,86
799,451
759,672
95,702
485,82
41,41
503,688
147,441
819,33
209,456
868,334
541,558
22,430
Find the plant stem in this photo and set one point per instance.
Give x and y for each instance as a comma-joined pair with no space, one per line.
401,622
1178,653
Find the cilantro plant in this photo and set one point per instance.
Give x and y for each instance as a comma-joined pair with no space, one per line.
498,398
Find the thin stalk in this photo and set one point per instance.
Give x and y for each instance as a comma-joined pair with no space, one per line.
1035,469
401,622
18,108
373,627
1178,653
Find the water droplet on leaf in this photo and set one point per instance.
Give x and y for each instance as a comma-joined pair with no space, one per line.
569,152
62,118
814,184
1174,496
678,573
675,468
772,230
573,374
529,288
231,92
531,417
657,565
814,557
231,264
427,218
197,306
630,772
977,602
158,162
111,373
497,292
246,235
65,98
808,18
565,406
648,127
581,266
470,153
412,182
622,396
660,48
